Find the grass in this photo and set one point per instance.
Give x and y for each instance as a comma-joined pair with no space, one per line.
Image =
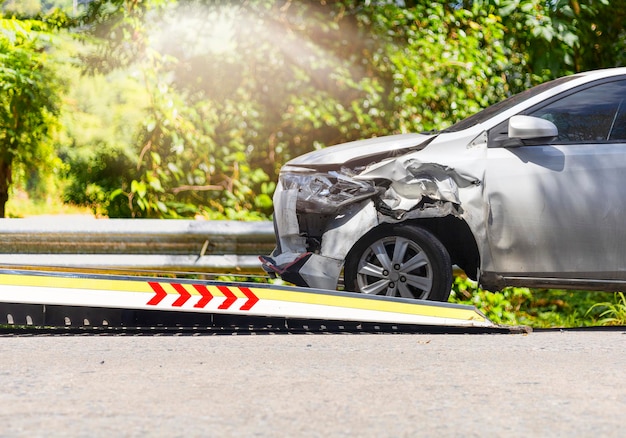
20,205
614,312
543,308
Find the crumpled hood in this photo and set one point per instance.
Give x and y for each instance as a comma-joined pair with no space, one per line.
360,150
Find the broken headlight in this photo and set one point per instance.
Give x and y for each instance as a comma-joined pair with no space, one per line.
326,193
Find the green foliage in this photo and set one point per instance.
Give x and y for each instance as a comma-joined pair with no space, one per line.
614,312
548,39
100,116
29,103
446,62
220,94
232,90
501,308
539,308
227,108
237,89
94,176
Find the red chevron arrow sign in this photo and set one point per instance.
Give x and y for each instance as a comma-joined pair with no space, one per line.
205,296
159,294
184,295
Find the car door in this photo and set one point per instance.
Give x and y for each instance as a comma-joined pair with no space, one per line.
557,208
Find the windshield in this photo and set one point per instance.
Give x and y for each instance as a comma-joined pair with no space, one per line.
504,105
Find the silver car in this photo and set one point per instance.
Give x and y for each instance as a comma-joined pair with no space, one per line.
528,192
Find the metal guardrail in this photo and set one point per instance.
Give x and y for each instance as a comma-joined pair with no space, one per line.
141,244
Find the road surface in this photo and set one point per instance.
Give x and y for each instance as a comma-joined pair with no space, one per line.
562,384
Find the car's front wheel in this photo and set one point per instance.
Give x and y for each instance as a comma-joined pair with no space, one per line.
401,261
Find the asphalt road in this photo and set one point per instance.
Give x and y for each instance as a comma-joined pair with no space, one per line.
565,384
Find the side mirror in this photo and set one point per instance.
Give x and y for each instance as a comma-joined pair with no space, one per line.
531,128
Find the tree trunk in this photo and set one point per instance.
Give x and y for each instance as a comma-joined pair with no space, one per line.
5,183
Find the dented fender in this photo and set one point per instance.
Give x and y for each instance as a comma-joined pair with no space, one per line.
320,215
413,184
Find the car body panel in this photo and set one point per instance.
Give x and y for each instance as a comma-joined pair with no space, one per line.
558,210
339,155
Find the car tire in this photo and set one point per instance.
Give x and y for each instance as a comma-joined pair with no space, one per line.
399,260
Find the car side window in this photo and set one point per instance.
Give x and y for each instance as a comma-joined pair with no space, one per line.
618,130
595,114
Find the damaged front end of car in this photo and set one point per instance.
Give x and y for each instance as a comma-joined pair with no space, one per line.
321,212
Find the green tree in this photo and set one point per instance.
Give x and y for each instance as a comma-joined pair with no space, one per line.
238,88
546,39
28,103
445,62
